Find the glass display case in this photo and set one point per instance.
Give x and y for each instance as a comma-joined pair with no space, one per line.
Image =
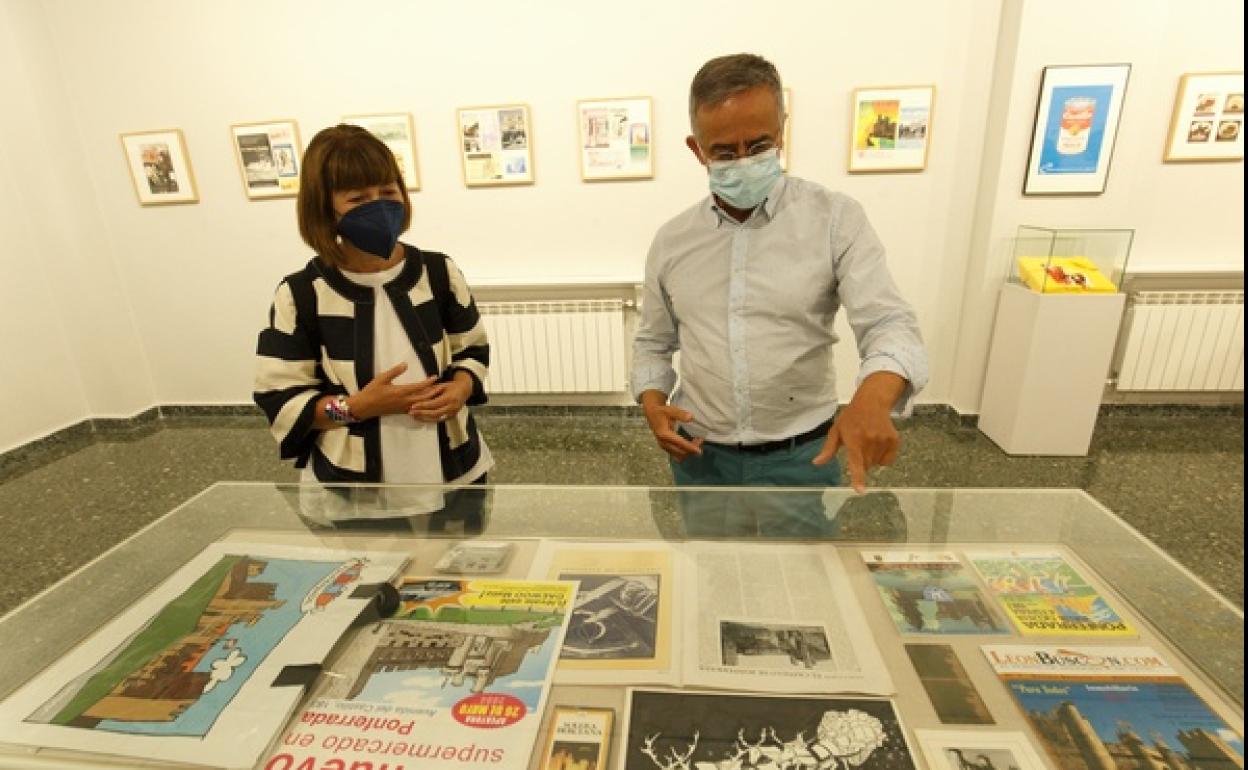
1168,610
1052,260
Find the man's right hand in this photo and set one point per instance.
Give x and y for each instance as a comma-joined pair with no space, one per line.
381,396
663,419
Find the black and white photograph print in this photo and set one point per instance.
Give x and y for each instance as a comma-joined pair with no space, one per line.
615,617
670,730
748,644
977,758
978,750
160,168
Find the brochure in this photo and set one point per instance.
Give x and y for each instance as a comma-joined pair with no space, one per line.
1090,705
1045,596
928,592
457,678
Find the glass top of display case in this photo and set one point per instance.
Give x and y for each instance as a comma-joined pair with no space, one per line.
1172,611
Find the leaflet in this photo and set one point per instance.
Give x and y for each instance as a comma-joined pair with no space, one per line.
928,592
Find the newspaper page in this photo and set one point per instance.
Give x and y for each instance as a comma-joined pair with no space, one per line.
1094,706
186,674
1045,596
775,618
457,678
620,630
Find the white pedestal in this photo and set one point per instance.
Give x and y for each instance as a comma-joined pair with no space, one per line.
1047,368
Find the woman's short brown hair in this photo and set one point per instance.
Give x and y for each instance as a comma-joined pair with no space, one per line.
341,157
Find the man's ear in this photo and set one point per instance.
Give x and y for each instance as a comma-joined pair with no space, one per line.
692,144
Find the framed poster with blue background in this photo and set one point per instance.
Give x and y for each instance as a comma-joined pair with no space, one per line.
1072,140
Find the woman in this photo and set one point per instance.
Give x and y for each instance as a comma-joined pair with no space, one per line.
375,348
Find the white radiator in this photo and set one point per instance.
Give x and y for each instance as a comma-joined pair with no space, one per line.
1184,341
574,346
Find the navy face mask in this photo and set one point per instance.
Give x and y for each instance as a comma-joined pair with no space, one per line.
373,227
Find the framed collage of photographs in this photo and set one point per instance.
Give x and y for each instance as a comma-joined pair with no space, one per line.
891,129
496,145
1208,119
615,136
396,132
1076,122
160,167
268,156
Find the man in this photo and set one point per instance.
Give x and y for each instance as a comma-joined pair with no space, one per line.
745,285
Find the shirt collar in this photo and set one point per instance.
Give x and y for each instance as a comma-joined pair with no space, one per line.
717,216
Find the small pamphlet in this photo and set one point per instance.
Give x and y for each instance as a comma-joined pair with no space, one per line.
580,739
475,557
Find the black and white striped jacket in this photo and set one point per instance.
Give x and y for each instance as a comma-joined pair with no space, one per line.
319,341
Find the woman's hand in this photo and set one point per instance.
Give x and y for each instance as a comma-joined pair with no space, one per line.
381,396
442,400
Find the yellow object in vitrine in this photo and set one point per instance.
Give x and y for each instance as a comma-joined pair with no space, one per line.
1063,275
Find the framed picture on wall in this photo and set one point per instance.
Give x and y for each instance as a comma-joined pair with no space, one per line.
268,156
892,128
396,132
160,167
1208,121
1076,122
495,145
616,138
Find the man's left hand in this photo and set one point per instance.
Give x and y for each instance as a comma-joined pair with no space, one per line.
865,428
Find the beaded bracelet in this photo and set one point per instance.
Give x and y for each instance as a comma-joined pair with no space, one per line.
336,409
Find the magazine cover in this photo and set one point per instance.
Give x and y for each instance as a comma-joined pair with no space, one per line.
457,678
1114,708
669,730
1045,596
186,674
928,592
620,631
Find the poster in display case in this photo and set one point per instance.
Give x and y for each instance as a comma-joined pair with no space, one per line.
1208,118
1076,123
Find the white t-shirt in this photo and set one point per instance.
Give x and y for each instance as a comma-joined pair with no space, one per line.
409,448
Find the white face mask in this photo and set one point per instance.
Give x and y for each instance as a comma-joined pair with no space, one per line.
745,182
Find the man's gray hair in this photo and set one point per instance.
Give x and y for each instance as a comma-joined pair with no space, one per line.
725,76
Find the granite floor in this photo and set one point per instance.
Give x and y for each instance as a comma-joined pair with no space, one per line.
1177,476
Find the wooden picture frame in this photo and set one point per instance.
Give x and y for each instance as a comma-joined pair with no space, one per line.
891,128
1208,119
160,167
616,138
397,131
1076,123
269,157
495,144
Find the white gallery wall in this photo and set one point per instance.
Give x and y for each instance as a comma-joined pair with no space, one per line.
115,307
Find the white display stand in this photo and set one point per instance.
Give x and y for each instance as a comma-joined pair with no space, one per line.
1047,368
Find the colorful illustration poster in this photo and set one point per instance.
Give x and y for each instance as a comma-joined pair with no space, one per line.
1074,129
1114,707
928,592
669,730
620,631
1045,596
187,673
457,678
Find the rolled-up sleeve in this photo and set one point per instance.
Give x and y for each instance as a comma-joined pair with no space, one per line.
884,324
657,339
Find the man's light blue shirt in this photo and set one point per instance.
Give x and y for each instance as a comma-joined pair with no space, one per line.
750,305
